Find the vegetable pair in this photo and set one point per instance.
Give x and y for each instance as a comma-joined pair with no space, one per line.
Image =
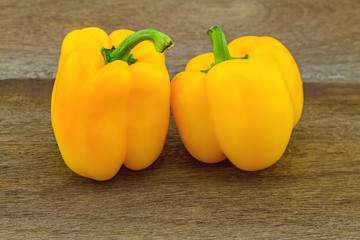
240,104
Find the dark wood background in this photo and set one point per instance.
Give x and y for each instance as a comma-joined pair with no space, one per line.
323,36
313,192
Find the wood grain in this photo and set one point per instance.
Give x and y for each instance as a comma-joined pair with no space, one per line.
311,193
323,36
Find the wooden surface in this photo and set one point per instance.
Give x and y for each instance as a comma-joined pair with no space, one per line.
311,193
323,36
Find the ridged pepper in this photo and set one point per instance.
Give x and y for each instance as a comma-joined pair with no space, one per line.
111,106
240,102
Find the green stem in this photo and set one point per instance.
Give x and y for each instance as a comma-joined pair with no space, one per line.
218,41
220,49
161,42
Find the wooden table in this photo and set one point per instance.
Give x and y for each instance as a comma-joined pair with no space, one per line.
313,192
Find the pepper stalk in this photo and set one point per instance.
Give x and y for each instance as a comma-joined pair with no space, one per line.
220,49
161,41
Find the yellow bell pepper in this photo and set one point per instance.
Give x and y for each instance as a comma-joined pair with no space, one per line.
111,106
240,102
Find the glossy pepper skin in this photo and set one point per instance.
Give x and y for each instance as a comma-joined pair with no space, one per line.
241,105
105,115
